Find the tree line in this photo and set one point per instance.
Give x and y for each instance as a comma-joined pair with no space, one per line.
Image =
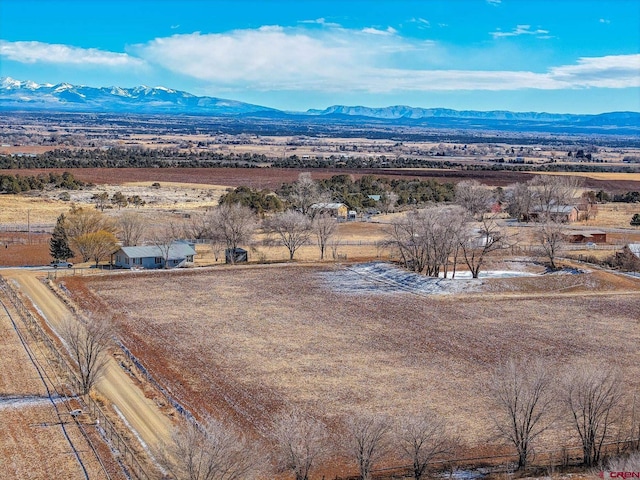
139,157
25,183
527,397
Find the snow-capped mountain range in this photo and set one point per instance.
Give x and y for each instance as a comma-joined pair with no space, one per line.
28,95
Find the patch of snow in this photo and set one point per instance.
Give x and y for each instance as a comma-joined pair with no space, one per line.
465,274
9,82
468,474
137,435
26,401
165,89
383,278
567,271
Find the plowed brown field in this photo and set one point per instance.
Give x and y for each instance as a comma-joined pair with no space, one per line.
242,343
274,177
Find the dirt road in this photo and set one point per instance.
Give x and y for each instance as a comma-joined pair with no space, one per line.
144,417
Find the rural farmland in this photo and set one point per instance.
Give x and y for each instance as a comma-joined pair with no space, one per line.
251,345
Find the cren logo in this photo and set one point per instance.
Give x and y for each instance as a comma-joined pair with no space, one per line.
606,474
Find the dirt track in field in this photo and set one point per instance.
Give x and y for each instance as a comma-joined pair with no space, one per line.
37,436
151,425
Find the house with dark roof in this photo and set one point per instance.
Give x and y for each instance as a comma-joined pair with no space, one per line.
153,256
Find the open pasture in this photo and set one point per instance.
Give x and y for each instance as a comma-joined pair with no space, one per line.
243,343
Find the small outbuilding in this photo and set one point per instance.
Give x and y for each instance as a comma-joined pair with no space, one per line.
154,256
236,255
585,236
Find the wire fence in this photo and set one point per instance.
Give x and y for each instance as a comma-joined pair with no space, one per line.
547,461
121,447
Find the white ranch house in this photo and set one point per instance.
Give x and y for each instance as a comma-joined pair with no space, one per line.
152,256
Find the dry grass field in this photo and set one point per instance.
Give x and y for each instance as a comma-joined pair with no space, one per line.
19,209
242,343
33,444
606,176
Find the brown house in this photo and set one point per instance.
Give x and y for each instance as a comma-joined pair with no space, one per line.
585,236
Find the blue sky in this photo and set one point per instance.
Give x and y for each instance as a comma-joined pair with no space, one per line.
571,56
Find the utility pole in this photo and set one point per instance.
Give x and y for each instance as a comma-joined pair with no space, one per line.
28,227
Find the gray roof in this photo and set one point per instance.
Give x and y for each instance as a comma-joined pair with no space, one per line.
177,251
635,249
556,208
328,206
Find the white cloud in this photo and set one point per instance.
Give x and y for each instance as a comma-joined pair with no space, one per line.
422,22
522,30
604,20
332,59
613,71
494,2
375,31
369,60
35,52
323,22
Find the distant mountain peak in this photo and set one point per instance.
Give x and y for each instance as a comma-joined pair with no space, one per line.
15,94
28,95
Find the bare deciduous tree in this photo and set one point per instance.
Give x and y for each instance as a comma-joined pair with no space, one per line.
519,200
477,243
231,225
592,396
164,237
553,190
293,229
550,236
131,228
474,197
324,227
304,193
522,392
426,239
88,344
300,440
369,441
423,438
81,221
197,227
211,451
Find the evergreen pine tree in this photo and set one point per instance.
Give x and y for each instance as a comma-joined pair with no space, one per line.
59,243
